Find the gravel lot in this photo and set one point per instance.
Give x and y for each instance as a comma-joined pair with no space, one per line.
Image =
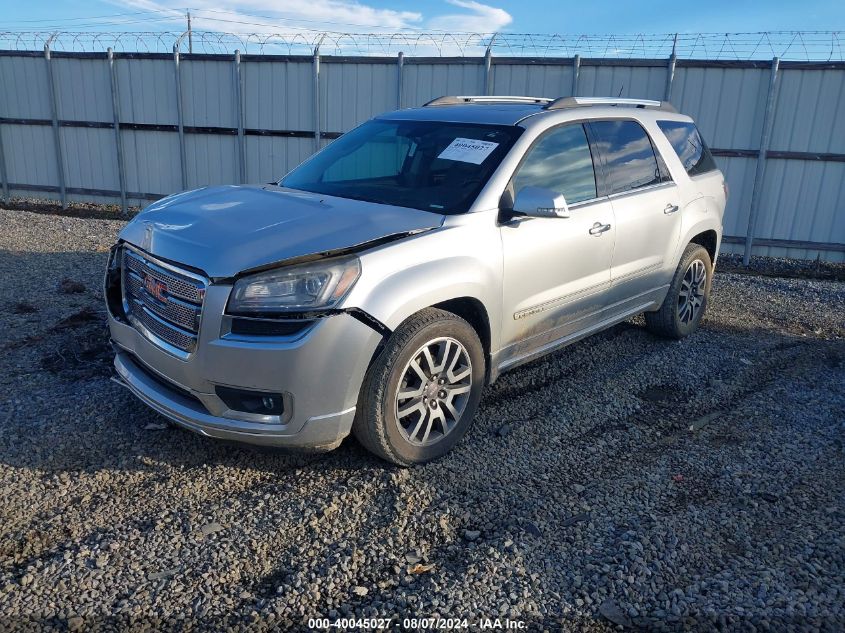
580,499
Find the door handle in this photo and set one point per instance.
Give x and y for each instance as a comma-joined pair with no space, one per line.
670,208
599,228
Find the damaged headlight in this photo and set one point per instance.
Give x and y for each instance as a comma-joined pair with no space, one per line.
316,285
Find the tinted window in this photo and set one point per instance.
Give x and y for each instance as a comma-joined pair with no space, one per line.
628,155
429,165
689,146
560,161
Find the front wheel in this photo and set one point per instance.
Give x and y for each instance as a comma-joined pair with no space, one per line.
686,301
421,393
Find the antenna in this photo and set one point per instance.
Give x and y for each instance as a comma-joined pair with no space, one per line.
621,88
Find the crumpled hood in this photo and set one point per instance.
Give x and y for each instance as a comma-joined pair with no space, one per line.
226,230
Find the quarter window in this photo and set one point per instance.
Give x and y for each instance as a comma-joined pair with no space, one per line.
560,161
629,159
691,149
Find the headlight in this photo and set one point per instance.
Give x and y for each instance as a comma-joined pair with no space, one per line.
315,285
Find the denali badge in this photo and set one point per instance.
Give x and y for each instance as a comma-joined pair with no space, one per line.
156,288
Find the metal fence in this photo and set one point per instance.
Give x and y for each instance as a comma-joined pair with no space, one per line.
132,127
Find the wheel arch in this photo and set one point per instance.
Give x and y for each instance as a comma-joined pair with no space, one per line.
709,239
472,311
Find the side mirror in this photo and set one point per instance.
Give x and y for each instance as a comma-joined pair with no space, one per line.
541,203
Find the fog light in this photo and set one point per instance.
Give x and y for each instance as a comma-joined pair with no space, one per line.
246,401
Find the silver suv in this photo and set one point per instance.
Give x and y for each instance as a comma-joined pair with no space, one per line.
382,283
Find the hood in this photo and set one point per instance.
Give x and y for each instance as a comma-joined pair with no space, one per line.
226,230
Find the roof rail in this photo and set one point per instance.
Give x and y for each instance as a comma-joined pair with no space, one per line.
454,100
564,103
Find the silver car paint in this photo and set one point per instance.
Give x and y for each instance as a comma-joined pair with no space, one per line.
542,282
227,230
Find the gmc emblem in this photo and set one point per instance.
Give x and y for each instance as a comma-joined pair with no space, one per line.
156,288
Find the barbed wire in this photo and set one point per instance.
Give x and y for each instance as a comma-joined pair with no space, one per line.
788,45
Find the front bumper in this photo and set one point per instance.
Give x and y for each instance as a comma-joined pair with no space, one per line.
319,371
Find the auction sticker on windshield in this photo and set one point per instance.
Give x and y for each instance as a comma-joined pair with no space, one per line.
468,150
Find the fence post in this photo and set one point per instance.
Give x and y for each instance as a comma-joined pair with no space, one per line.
57,137
3,175
316,68
239,112
400,64
670,70
118,142
576,71
488,67
760,172
179,119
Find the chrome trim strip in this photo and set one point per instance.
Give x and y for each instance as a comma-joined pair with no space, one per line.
547,305
571,338
638,272
633,192
645,293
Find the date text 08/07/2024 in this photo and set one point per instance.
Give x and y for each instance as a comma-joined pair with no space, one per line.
416,624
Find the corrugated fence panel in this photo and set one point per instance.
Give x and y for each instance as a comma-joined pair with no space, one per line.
268,158
152,161
353,93
212,159
147,90
89,157
809,112
645,82
423,82
33,152
83,89
541,80
802,200
803,195
25,92
278,95
739,174
726,103
208,93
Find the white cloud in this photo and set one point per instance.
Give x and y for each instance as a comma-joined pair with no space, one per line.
243,16
265,15
479,18
295,26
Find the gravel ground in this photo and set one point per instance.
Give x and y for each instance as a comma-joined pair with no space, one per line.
581,499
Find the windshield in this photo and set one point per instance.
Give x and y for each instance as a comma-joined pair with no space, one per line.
429,165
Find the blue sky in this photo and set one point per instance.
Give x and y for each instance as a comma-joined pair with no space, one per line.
518,16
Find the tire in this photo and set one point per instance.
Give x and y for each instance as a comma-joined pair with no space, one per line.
422,426
678,316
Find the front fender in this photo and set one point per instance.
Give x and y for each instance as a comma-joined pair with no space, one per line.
402,278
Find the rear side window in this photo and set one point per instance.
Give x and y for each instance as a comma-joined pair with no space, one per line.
629,160
689,146
560,161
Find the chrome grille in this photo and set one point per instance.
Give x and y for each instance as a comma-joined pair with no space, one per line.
161,301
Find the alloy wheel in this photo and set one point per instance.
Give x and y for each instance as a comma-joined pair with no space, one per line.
433,392
691,293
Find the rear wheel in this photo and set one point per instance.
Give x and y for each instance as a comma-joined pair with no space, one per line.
686,301
421,393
